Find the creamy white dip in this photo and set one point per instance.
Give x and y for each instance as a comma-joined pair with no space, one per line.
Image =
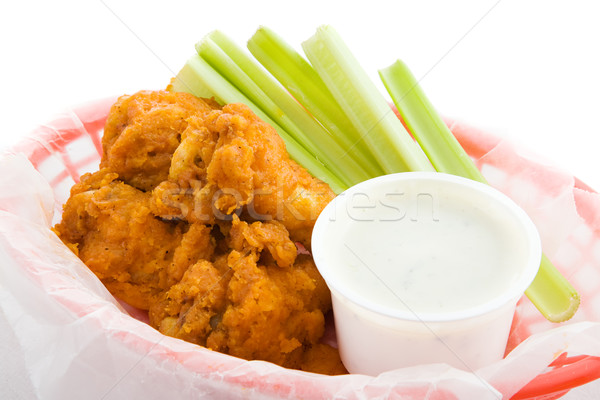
424,249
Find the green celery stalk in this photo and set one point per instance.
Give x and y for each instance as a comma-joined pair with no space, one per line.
186,81
200,79
550,292
426,125
370,113
301,80
264,91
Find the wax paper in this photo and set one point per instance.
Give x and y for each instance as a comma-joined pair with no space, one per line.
74,340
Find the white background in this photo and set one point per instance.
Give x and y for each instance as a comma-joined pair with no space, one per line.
527,70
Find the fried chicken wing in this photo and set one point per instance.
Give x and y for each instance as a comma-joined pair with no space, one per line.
190,309
142,132
135,254
252,311
194,216
232,162
281,189
273,313
118,238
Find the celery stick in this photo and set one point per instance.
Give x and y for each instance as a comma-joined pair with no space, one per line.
550,292
200,79
428,128
365,106
262,89
186,81
301,80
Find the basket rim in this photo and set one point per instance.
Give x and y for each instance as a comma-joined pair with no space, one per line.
568,373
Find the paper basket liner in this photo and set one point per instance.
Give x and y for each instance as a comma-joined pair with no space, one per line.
77,340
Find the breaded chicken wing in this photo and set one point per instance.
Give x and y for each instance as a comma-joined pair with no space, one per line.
232,162
194,216
116,235
252,311
136,255
142,132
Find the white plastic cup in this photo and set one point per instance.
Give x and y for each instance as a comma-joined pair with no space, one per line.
424,267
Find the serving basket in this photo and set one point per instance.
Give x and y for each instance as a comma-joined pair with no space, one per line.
76,339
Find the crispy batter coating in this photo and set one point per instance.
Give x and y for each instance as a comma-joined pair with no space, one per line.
273,314
253,311
190,308
233,162
194,217
271,235
142,132
117,236
282,189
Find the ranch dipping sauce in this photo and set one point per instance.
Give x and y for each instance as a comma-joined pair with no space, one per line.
439,256
424,267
